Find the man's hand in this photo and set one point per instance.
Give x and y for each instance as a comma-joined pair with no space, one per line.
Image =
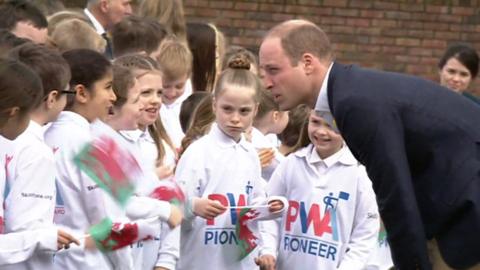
266,262
208,209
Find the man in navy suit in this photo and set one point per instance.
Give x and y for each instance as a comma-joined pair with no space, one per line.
419,142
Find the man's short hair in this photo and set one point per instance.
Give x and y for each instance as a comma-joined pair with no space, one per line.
14,11
299,37
135,34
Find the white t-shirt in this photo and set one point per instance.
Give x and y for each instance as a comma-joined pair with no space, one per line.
332,221
30,202
217,167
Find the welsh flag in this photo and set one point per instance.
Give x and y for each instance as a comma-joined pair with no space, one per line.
169,191
109,236
247,241
112,167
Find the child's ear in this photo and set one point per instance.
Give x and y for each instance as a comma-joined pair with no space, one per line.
81,94
214,102
51,98
255,109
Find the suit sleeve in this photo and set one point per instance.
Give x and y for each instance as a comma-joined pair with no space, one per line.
374,133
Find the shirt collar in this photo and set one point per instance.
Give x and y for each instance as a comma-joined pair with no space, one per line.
343,156
98,27
322,100
36,130
225,141
75,118
136,135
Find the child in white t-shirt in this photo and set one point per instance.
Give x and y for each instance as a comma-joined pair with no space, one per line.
332,221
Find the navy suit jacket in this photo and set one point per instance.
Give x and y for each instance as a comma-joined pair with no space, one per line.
420,144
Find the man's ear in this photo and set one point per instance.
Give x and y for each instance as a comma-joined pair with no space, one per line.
81,94
104,5
307,62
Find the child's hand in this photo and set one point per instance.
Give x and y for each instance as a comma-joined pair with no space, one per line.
65,239
90,243
164,171
175,218
275,206
208,209
266,156
266,262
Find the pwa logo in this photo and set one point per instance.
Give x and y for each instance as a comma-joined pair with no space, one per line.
322,223
228,200
59,204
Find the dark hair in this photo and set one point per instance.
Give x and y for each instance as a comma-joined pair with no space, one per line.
14,11
49,64
9,41
188,107
296,119
123,80
19,86
202,42
135,34
465,54
202,119
86,67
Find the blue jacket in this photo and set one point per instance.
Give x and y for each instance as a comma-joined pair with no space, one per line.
420,144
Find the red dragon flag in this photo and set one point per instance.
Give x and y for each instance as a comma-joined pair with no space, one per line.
110,166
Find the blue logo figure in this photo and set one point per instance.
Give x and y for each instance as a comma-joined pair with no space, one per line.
248,188
331,206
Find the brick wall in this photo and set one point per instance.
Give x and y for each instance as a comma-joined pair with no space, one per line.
398,35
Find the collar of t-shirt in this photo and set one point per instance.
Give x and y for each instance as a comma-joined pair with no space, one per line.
322,100
98,27
36,130
225,141
136,135
343,156
77,119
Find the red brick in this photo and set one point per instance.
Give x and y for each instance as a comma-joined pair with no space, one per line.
407,42
447,35
412,7
360,4
394,49
333,20
418,69
232,14
437,9
372,13
345,47
420,52
436,26
196,3
463,11
369,48
384,23
221,4
335,3
434,43
370,31
357,22
406,58
342,29
382,40
246,6
271,8
385,5
282,17
411,24
398,15
206,12
245,24
345,12
420,34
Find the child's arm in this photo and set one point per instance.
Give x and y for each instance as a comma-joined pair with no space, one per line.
31,201
169,251
366,226
20,246
140,207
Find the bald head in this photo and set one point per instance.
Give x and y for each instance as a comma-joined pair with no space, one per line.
298,37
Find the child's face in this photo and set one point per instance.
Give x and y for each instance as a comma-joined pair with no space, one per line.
130,112
234,110
102,98
151,96
326,141
172,90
